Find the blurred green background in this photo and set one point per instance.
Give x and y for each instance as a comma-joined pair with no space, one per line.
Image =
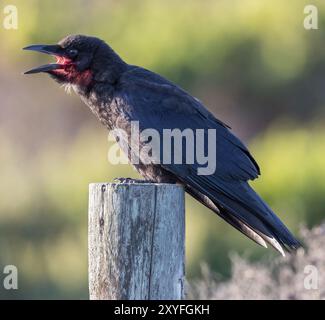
250,61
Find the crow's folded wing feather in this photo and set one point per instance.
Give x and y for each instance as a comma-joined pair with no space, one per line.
157,103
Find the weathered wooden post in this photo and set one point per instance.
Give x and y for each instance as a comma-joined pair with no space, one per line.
136,241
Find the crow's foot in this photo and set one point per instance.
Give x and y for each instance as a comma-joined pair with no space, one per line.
130,180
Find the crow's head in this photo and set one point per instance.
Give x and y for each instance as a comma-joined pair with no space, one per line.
80,60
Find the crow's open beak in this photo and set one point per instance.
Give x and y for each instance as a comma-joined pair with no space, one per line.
54,50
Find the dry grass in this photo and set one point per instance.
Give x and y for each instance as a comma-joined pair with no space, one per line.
299,276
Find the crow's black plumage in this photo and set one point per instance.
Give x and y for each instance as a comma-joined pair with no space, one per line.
118,93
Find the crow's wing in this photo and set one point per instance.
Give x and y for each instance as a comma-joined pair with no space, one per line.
157,103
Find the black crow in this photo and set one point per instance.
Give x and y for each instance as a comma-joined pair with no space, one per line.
119,94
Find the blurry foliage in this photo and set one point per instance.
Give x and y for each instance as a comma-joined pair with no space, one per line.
296,277
250,61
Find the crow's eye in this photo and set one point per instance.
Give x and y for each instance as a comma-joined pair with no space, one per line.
72,53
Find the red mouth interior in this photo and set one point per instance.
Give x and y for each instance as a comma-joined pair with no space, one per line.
62,60
67,69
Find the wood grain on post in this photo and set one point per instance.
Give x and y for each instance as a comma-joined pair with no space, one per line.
136,241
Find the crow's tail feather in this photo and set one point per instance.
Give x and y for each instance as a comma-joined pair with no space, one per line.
231,219
248,206
239,205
